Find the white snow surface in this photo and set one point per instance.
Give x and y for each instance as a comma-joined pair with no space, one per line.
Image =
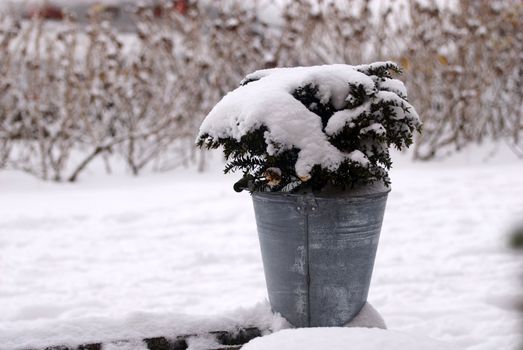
266,100
368,317
396,86
338,338
345,117
116,258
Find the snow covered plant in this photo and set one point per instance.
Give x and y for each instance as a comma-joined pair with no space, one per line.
310,128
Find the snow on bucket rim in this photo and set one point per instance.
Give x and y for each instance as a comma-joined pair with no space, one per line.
340,338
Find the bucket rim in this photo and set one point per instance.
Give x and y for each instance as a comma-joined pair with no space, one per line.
362,191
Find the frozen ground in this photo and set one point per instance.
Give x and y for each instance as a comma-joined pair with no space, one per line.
115,257
344,339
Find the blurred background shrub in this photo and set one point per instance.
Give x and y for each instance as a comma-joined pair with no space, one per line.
128,84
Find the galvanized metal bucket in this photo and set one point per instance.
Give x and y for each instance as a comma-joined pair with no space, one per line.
318,252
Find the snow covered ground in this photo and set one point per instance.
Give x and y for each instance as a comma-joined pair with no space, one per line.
343,339
119,257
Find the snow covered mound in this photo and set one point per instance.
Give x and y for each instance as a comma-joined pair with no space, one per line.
137,325
363,98
344,339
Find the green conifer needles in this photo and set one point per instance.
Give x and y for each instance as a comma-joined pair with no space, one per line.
311,128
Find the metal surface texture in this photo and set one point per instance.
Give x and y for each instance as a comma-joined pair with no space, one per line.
318,252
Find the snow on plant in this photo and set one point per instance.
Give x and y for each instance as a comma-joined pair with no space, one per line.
289,129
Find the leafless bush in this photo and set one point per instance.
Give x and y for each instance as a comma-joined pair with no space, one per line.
71,94
463,61
464,68
68,91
